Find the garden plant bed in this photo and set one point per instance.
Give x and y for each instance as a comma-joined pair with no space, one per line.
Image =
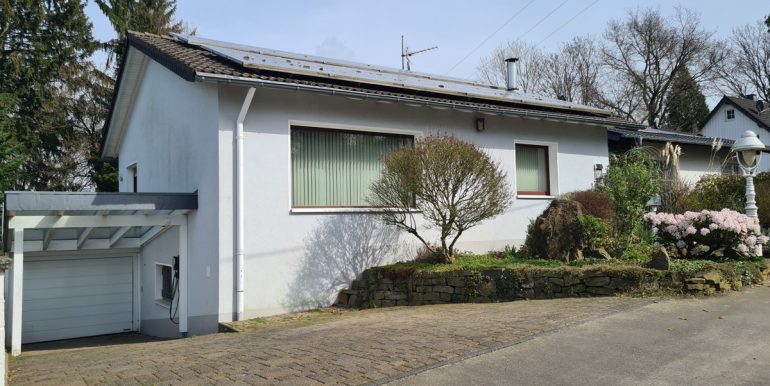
486,279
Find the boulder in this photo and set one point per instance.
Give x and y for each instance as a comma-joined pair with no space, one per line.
555,234
598,253
660,259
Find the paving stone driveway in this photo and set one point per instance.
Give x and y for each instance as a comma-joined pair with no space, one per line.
369,346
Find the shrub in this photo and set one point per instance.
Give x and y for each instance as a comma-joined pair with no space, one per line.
631,180
637,252
717,192
594,232
705,234
454,184
595,204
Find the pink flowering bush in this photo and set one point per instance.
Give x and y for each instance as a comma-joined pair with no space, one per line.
706,233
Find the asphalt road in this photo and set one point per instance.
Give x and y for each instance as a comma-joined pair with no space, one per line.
723,340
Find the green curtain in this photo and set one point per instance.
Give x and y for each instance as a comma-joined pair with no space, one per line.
531,169
336,168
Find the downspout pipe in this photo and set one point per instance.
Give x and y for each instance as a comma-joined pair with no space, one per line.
239,205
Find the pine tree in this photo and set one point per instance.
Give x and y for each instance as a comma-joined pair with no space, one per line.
153,16
44,43
686,104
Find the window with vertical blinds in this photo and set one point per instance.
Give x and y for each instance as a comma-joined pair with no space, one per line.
335,168
532,170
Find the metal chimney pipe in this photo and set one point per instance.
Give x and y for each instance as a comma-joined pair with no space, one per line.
510,79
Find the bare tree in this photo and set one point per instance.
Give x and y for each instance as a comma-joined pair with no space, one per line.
573,73
647,51
492,69
453,184
748,69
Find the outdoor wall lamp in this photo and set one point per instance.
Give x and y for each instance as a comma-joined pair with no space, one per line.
748,150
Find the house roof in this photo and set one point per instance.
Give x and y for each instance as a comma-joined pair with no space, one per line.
746,106
658,135
203,60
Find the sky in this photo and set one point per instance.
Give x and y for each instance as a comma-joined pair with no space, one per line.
370,31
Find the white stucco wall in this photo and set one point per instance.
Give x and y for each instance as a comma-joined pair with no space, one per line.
296,260
719,126
171,137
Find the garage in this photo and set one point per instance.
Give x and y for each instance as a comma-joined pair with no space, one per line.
77,258
71,297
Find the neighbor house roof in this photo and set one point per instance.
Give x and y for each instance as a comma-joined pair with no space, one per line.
658,135
748,106
197,59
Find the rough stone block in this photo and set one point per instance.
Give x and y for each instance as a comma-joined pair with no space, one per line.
487,288
445,297
396,296
695,280
619,283
712,277
384,287
571,280
402,303
578,288
456,281
556,280
443,289
696,286
600,290
481,299
379,295
388,303
660,259
431,296
599,281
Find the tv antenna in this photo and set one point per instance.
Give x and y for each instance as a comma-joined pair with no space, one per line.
406,55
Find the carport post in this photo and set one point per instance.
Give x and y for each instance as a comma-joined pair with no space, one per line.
183,279
17,280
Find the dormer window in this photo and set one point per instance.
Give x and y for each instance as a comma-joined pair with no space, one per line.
730,114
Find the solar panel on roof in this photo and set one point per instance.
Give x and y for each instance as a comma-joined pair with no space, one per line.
286,62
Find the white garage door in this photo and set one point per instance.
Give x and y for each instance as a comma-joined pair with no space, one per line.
75,297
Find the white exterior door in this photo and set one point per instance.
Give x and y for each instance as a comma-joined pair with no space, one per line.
70,297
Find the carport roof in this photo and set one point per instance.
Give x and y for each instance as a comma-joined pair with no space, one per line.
76,220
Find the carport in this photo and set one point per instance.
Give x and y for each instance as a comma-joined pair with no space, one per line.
76,259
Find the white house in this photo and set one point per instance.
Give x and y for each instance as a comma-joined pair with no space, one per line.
269,156
735,114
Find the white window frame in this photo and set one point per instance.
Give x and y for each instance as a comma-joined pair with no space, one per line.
553,170
415,134
158,294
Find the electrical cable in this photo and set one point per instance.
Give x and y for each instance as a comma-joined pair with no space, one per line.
490,36
567,22
175,288
542,20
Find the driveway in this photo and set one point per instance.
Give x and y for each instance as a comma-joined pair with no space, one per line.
352,348
713,341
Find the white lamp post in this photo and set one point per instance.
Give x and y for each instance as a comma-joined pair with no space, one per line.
748,150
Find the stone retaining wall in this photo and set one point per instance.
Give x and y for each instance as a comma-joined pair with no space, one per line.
380,287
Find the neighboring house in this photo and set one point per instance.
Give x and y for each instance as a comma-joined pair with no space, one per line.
735,114
699,155
271,155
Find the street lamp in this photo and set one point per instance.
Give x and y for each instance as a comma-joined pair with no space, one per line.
748,150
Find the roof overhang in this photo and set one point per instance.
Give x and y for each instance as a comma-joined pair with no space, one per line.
54,221
126,90
416,100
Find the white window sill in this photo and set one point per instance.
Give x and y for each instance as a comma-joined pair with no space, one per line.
534,197
163,303
341,210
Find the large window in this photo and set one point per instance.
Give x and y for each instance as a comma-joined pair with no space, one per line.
335,168
532,176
